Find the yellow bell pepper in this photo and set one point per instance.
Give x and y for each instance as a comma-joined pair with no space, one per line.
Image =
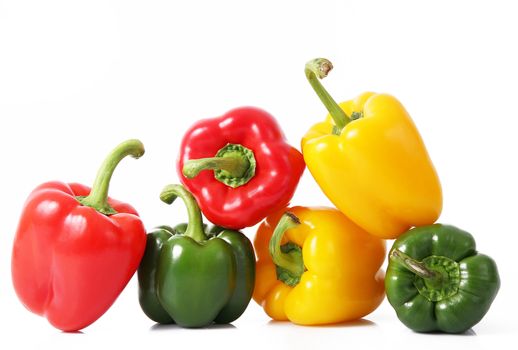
315,266
370,161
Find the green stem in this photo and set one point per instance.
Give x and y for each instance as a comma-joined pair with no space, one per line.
436,277
235,166
287,258
195,222
98,197
413,265
315,70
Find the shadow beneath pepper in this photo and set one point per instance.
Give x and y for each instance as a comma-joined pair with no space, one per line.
72,332
163,327
277,323
356,323
222,326
167,327
469,332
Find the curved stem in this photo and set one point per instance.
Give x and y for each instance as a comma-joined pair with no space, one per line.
315,70
195,222
98,197
413,265
235,166
290,262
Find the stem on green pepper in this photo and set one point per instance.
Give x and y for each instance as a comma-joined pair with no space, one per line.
287,258
234,165
412,265
98,197
195,222
315,70
439,276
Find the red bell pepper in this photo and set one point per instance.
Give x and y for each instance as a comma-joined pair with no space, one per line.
75,249
255,170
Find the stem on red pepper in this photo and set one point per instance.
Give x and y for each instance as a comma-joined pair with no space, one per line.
195,223
236,166
233,165
315,70
288,257
98,197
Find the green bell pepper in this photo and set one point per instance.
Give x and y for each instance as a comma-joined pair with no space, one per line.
437,281
192,276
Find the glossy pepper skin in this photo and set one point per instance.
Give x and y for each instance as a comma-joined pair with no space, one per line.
437,281
70,259
192,277
315,266
370,161
255,170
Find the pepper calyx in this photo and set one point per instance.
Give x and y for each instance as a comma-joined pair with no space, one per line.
289,278
287,258
436,277
234,165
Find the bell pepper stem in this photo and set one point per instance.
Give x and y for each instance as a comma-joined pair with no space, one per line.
236,166
315,70
439,276
195,223
413,265
98,197
290,265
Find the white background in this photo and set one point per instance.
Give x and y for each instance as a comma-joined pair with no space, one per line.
78,77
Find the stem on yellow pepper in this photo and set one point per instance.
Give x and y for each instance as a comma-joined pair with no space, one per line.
316,69
288,257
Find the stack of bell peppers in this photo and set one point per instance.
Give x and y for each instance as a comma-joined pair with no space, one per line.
76,249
